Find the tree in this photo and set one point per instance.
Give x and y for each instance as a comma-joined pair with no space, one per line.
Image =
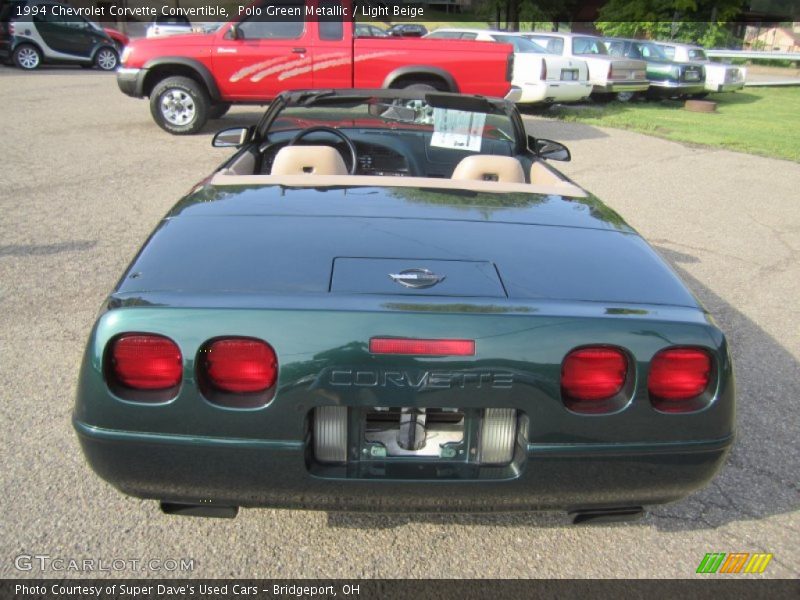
697,21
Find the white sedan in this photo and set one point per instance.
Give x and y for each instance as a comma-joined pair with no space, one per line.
163,26
543,77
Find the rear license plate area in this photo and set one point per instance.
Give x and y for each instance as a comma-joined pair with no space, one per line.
569,74
417,443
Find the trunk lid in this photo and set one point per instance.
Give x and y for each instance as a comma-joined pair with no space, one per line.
274,240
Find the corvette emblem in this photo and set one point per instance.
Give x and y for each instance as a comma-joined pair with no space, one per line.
416,278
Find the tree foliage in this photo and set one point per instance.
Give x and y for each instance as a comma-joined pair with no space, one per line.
696,21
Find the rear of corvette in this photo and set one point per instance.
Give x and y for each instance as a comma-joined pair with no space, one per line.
255,355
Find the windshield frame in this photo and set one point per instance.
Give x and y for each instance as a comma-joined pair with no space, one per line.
319,98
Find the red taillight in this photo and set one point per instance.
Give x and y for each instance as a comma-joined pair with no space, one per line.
422,347
146,362
593,375
678,375
610,70
11,29
240,365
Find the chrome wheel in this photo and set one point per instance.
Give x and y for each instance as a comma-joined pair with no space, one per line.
107,59
28,58
177,107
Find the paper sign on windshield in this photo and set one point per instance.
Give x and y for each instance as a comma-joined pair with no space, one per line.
457,129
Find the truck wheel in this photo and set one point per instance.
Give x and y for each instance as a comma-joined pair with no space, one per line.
106,59
217,111
180,105
27,56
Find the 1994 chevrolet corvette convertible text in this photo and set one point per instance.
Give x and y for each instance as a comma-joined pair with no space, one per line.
388,300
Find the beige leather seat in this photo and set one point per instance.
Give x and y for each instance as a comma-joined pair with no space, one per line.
308,160
487,167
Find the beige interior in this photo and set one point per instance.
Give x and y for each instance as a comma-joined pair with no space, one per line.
308,160
563,188
540,174
487,167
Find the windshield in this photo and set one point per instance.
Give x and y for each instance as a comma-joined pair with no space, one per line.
447,127
648,50
588,45
697,54
520,44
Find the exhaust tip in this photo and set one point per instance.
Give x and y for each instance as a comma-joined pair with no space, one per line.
607,515
199,510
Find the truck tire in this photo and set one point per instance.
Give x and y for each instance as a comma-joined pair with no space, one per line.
217,111
180,105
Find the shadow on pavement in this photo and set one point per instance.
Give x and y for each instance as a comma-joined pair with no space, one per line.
759,479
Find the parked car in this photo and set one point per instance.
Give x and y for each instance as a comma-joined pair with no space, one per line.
120,39
194,77
437,320
610,77
668,79
719,77
50,35
367,30
542,76
166,25
407,30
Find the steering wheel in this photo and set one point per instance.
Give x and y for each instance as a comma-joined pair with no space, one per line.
351,147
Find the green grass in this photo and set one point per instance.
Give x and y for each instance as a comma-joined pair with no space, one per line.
763,121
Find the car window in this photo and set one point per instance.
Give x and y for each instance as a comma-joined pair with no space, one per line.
171,20
697,54
669,51
554,45
445,35
588,45
520,44
650,51
278,28
616,48
331,26
469,36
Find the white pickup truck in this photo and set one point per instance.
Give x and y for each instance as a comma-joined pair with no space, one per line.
543,77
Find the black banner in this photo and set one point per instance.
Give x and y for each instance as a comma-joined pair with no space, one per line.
504,12
702,588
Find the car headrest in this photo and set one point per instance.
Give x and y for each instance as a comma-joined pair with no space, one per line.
487,167
308,160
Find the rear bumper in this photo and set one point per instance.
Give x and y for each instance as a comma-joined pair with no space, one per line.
554,91
671,88
225,471
724,87
614,87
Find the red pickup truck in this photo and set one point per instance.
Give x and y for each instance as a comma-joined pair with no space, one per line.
195,77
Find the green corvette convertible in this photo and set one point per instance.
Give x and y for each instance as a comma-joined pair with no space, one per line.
389,301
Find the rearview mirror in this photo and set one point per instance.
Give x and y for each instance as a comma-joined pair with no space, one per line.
549,149
231,138
233,32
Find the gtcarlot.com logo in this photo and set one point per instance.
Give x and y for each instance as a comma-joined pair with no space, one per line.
47,562
735,562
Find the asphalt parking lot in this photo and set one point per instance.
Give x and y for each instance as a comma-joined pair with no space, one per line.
86,175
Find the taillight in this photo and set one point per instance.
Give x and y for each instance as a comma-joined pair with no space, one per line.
422,347
510,67
610,70
678,377
145,362
11,28
592,379
543,75
240,365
